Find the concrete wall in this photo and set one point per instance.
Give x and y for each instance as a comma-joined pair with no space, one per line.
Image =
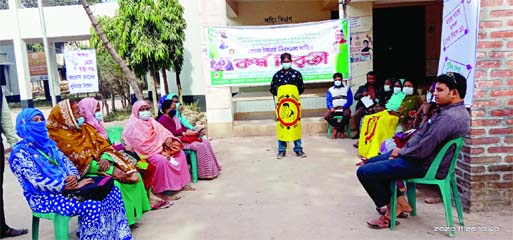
486,172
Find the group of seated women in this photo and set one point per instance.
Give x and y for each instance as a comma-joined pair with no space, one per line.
63,163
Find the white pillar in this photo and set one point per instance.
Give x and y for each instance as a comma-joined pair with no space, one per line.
55,70
218,99
21,59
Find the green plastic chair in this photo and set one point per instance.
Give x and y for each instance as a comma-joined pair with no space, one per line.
60,225
445,185
114,133
348,127
191,156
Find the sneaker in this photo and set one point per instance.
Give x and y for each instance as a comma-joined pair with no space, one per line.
301,154
280,155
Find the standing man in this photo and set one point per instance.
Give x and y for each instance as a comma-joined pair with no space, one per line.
371,90
338,101
8,131
287,85
414,159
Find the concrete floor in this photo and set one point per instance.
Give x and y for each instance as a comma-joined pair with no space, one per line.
259,197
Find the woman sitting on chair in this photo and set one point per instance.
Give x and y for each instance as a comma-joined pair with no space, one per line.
93,155
91,110
163,150
45,172
208,167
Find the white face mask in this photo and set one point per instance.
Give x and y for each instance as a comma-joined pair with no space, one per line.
387,88
286,65
338,83
408,90
397,89
429,96
144,115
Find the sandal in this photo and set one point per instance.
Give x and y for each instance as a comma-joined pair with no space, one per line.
361,162
11,232
381,222
173,198
188,188
161,205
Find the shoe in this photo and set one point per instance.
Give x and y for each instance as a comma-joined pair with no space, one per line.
280,155
356,136
11,232
301,154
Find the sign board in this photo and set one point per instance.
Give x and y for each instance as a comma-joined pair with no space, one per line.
37,64
250,55
81,71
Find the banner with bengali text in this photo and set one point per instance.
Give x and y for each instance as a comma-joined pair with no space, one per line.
250,55
81,71
460,25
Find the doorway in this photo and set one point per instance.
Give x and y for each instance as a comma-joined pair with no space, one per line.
400,43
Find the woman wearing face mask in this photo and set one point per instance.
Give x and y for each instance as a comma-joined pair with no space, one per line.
91,110
93,155
150,138
208,167
409,105
44,173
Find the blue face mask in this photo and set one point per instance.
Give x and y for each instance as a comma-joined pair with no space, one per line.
98,116
144,115
429,96
387,88
397,89
286,65
80,121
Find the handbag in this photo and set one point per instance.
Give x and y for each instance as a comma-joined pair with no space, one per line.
97,191
173,147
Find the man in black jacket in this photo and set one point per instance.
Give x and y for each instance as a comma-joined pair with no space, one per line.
371,90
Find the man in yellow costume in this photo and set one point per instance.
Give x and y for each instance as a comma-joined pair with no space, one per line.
287,85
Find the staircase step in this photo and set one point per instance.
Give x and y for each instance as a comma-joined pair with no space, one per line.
267,127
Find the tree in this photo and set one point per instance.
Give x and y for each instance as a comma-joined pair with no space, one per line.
126,71
151,36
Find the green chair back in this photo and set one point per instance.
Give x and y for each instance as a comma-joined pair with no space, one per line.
60,225
445,185
114,133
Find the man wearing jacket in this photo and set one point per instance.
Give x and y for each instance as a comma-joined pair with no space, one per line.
338,101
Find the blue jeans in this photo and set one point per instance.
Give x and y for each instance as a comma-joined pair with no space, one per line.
376,175
282,146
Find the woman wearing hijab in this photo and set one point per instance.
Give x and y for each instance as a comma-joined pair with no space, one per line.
91,110
93,155
208,167
149,138
44,172
179,115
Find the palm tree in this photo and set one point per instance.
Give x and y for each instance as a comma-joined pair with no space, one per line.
129,74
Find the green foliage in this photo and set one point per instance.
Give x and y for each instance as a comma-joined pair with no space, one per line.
117,116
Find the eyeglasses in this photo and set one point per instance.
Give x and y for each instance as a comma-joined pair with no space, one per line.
453,77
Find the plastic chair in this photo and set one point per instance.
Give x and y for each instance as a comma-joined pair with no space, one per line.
446,185
114,133
348,127
60,224
192,157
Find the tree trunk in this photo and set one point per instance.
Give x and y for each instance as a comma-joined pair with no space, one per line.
113,101
155,79
129,74
164,76
179,86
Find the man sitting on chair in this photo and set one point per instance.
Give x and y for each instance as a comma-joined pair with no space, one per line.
338,101
414,159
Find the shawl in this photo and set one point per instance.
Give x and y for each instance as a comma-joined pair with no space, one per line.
88,108
145,136
35,139
81,144
172,124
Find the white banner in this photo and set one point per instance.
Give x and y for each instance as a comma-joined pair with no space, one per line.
460,25
249,56
81,71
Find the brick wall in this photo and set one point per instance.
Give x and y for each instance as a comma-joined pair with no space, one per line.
486,171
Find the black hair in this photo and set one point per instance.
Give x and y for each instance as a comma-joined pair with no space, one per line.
285,55
366,41
454,81
166,104
338,75
286,105
371,73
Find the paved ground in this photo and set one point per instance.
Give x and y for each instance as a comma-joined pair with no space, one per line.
260,197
